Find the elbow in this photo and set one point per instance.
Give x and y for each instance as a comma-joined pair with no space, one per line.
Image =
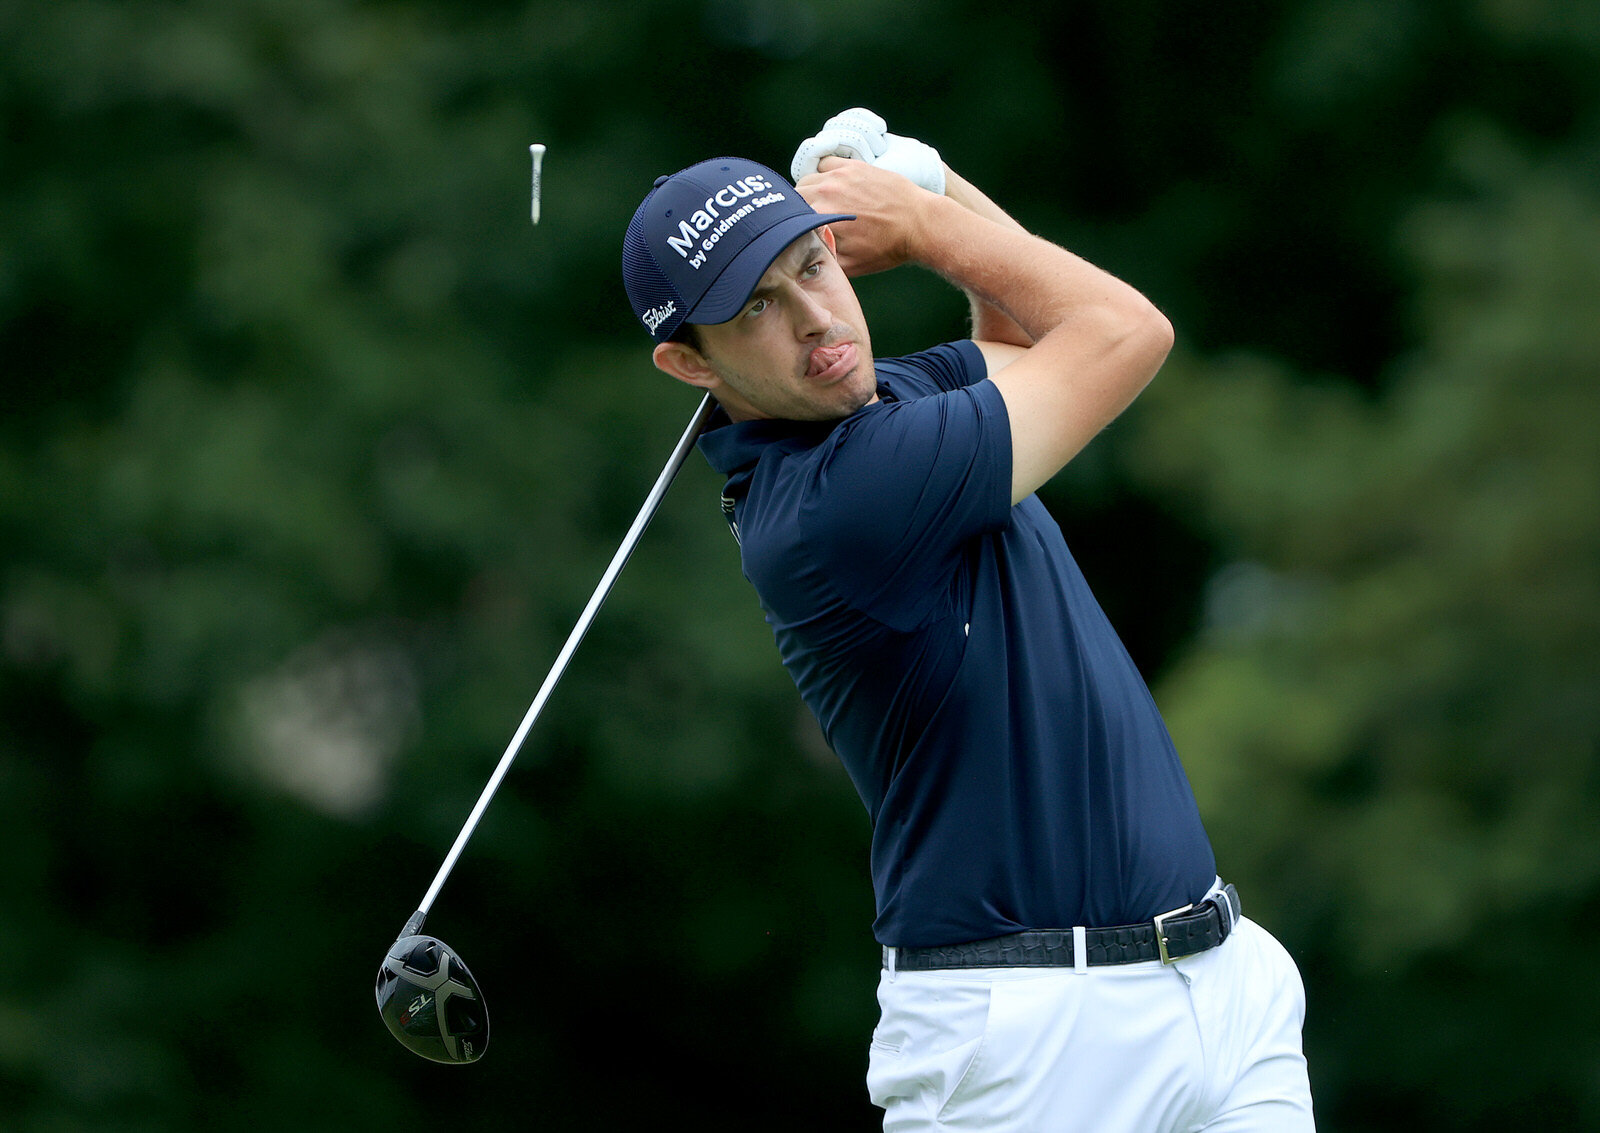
1166,334
1143,339
1153,333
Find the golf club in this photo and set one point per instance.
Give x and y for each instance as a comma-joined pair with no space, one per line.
426,995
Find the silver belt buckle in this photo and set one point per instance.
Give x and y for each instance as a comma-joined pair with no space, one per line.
1161,932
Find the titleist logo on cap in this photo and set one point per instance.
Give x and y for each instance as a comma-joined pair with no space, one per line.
655,316
709,224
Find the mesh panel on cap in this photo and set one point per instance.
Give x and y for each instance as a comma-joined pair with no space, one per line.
646,284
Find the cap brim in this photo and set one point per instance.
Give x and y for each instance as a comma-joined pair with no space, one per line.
727,295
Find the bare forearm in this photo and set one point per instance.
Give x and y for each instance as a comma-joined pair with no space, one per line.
989,322
1032,284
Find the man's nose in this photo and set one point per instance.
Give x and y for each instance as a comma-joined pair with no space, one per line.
813,317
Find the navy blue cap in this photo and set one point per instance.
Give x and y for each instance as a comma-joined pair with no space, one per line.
701,241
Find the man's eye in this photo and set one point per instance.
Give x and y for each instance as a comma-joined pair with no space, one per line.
756,308
813,270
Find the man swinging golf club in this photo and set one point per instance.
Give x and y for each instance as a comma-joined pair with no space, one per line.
1059,952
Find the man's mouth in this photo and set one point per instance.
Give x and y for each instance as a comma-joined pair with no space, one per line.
830,363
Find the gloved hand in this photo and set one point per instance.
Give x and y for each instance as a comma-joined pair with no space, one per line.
859,133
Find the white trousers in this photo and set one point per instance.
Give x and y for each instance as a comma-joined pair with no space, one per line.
1211,1042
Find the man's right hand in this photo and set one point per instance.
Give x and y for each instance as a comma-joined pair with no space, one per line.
889,224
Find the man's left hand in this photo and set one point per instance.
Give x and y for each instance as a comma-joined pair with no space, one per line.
861,135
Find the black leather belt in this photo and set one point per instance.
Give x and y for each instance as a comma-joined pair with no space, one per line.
1168,937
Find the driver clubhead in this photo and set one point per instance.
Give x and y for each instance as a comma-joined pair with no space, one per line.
430,1002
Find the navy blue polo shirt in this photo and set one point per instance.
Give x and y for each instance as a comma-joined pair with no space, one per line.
1014,765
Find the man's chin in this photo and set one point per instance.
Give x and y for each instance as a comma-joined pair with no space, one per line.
851,394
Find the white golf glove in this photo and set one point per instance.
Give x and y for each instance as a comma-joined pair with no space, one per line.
859,133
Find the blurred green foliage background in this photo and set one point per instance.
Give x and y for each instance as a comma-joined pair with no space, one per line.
312,448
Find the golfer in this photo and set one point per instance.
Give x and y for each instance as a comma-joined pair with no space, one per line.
1059,952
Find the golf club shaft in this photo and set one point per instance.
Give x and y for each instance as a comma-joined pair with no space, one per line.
618,561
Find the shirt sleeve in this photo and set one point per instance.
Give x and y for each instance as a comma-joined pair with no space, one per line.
938,370
905,487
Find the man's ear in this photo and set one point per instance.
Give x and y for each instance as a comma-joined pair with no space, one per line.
826,232
685,363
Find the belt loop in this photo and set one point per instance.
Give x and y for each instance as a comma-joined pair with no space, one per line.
889,960
1080,949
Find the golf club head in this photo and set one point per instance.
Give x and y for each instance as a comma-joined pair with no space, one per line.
430,1002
